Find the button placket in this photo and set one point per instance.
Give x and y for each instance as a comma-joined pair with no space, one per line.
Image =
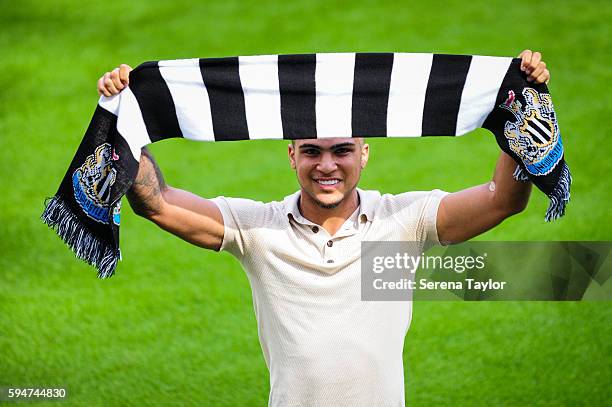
329,248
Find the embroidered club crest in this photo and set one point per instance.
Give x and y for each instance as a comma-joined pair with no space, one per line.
92,183
534,134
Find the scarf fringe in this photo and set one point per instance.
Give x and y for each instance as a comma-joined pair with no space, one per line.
560,196
85,245
520,174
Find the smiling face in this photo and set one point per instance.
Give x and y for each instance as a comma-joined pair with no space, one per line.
328,170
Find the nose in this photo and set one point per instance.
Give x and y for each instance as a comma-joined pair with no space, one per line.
327,164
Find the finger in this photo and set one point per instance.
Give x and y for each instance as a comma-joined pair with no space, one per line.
102,89
535,60
544,77
525,59
124,73
109,85
538,71
115,78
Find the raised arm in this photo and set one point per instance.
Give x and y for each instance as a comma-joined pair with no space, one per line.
468,213
465,214
186,215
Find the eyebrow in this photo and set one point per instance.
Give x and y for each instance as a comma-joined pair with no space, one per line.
335,146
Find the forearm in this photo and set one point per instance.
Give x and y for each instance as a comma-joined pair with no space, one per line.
186,215
509,196
465,214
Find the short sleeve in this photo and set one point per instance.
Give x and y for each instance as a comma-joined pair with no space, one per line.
417,213
431,217
241,218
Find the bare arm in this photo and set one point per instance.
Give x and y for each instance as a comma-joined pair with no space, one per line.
186,215
468,213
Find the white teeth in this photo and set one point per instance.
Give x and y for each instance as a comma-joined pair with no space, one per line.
328,182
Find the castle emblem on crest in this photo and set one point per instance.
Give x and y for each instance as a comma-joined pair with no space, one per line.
534,133
92,183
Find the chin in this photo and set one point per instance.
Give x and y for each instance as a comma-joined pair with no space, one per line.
328,202
330,205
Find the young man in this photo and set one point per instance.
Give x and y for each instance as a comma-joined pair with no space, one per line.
322,344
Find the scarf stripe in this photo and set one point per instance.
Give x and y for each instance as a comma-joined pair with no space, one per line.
259,78
222,80
483,80
156,105
334,89
129,119
409,79
371,94
296,77
443,95
190,97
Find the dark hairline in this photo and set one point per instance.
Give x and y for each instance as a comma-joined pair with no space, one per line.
293,140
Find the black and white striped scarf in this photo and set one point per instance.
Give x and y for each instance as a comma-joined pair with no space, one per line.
297,97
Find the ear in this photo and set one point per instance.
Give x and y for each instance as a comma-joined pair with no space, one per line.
365,155
291,152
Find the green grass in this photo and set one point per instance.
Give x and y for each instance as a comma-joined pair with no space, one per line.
176,325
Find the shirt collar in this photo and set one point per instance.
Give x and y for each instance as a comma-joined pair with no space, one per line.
367,201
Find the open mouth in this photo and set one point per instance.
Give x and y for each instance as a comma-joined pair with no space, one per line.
327,182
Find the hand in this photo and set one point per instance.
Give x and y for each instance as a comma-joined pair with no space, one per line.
113,82
534,67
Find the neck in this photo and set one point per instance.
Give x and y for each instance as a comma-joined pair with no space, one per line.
329,219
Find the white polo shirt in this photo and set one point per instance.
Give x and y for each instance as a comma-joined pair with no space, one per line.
324,346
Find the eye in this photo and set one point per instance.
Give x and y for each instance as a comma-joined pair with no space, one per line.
342,151
311,151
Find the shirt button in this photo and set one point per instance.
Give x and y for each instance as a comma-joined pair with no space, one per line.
330,243
315,229
330,261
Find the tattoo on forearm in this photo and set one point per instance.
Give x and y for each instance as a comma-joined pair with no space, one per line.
145,196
